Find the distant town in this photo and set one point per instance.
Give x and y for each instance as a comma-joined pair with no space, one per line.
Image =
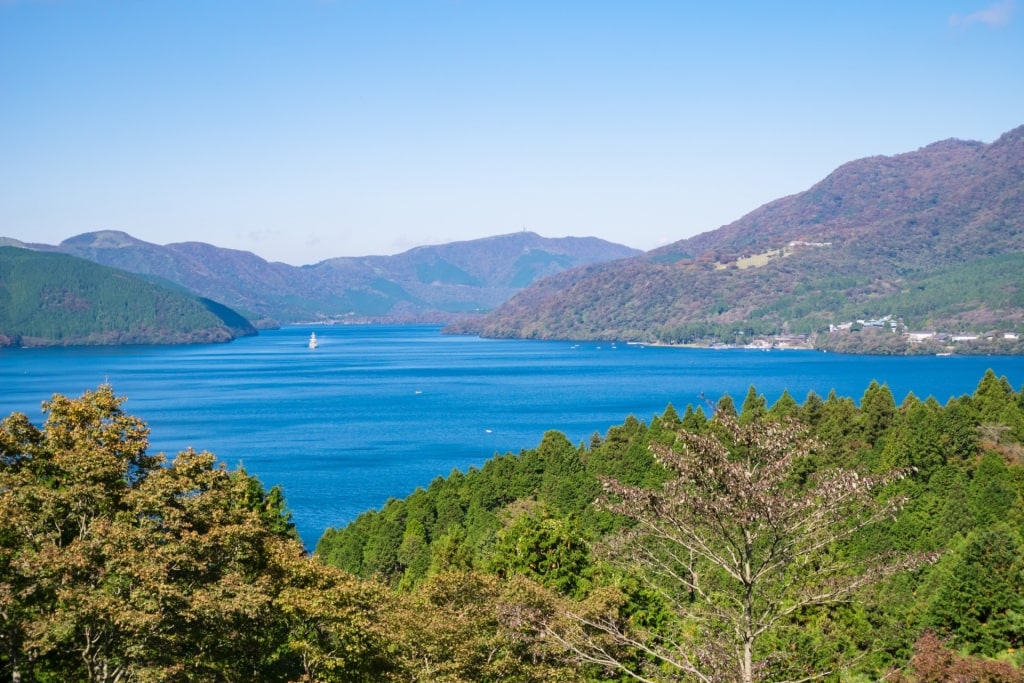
888,334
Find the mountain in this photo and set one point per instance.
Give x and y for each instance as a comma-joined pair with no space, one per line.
933,239
433,283
49,299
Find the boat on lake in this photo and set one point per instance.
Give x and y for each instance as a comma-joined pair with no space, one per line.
313,343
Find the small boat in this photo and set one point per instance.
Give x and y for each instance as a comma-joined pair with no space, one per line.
313,343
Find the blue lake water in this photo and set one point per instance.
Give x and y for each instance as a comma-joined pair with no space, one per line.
376,411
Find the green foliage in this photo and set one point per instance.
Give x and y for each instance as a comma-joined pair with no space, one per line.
469,520
754,407
784,408
877,411
443,272
530,516
52,299
116,565
981,604
546,548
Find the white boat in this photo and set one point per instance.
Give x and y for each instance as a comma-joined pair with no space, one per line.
313,343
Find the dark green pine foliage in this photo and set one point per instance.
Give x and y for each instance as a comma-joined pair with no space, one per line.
694,420
726,405
991,493
565,484
839,430
384,537
991,398
785,408
960,434
877,412
532,514
927,442
811,411
462,521
981,605
754,407
624,454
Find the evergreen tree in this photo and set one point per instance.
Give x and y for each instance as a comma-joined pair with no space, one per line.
811,410
877,412
991,398
693,420
754,408
981,605
784,408
992,493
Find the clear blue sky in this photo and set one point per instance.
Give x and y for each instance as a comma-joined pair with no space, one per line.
306,129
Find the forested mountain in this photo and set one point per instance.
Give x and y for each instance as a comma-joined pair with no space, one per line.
933,238
427,284
49,299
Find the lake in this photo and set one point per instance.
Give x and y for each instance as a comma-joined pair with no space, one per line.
376,411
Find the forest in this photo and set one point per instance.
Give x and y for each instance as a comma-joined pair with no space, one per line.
49,299
834,539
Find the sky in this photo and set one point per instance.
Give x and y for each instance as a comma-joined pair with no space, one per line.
302,130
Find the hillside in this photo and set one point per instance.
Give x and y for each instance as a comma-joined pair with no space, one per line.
824,540
427,284
933,238
58,300
566,516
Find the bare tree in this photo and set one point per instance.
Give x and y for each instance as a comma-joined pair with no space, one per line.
735,544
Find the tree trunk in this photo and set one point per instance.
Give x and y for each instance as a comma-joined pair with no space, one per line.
748,660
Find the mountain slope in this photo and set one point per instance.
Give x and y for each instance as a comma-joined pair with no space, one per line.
58,300
866,241
434,283
469,276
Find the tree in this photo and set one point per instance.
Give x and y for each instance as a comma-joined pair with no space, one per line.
784,408
933,662
726,405
334,620
878,410
60,488
693,420
737,550
981,605
991,397
754,407
811,410
548,549
467,627
116,565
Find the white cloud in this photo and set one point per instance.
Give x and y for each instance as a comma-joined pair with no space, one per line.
995,15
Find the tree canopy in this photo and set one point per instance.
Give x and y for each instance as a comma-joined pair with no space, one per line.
703,547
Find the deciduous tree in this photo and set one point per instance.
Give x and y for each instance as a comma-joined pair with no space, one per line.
737,549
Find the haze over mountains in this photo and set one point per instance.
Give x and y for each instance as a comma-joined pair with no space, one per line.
426,284
934,238
927,240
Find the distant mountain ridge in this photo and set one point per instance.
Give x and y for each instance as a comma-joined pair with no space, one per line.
879,236
426,284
